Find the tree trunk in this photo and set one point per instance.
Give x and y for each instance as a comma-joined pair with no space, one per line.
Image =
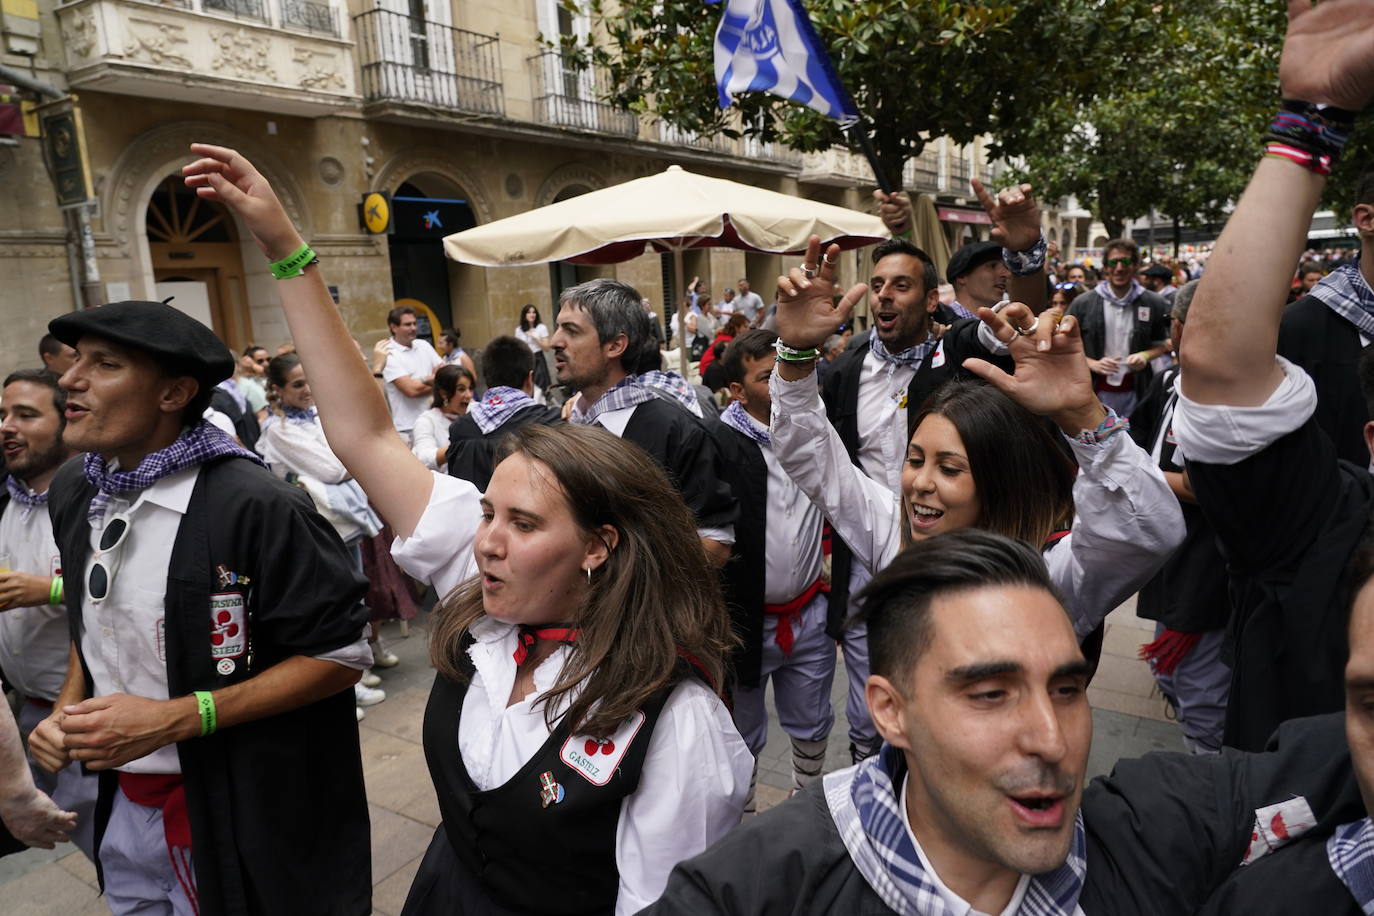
1114,226
1178,233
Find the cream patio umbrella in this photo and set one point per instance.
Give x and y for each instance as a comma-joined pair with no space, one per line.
672,211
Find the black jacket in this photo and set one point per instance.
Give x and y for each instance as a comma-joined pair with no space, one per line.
1163,833
743,577
1147,327
472,453
278,809
1328,348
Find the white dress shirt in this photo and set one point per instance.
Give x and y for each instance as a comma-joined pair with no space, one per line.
419,360
882,407
34,641
122,637
686,801
1126,524
429,435
792,542
1224,434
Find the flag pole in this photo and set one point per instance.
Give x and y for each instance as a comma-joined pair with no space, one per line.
859,130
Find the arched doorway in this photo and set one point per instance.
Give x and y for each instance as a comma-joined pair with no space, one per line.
195,251
425,208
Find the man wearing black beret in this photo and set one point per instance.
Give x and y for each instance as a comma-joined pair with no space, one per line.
979,278
216,630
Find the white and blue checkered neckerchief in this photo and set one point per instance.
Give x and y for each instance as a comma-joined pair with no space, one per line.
298,417
1351,854
26,499
675,386
863,801
1346,293
959,310
497,406
737,418
628,392
911,357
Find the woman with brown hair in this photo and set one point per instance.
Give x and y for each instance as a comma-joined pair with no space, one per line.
574,734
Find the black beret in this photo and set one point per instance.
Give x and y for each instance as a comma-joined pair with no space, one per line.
174,339
970,256
1158,270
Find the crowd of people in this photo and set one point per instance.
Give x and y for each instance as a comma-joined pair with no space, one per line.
196,549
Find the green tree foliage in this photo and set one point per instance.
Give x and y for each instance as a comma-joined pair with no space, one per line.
1176,118
916,70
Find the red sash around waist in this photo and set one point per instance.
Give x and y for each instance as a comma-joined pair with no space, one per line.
788,612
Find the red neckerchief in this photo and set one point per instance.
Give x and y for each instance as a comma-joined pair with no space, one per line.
552,632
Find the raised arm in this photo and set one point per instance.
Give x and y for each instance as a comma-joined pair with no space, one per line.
1228,352
352,410
1016,225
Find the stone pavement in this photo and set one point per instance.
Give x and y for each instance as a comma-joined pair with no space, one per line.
1128,720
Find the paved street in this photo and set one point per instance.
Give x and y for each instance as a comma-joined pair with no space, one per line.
1128,720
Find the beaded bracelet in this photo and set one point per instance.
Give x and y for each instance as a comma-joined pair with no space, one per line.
1111,425
1310,135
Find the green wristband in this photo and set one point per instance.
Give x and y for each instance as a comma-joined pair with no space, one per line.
206,704
788,354
294,264
55,591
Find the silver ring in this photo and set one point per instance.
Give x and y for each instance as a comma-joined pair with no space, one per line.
996,309
1026,332
829,260
808,271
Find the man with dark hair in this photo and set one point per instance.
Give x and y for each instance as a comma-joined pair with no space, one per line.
34,638
1326,330
871,390
979,277
229,398
749,304
251,376
475,437
1159,279
1124,326
774,584
598,346
57,357
409,372
976,802
216,631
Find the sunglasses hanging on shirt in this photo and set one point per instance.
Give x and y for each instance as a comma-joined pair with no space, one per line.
106,559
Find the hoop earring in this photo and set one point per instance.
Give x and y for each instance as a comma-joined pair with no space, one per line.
588,571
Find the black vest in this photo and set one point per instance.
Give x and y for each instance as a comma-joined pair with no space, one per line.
522,855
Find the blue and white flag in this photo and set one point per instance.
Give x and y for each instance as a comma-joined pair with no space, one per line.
771,46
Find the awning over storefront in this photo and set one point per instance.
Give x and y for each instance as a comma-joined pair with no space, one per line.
959,215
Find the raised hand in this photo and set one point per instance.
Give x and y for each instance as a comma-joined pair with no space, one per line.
894,210
225,176
1328,54
807,313
1051,377
1014,214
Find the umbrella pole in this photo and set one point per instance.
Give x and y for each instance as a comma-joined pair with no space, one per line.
681,318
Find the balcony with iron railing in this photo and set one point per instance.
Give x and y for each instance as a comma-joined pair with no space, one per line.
571,93
408,61
922,173
719,143
286,56
759,150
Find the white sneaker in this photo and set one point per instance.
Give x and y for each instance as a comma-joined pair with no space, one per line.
382,657
366,696
369,679
361,714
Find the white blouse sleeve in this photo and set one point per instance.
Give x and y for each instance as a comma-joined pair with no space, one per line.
424,443
302,450
691,793
1127,522
864,513
439,551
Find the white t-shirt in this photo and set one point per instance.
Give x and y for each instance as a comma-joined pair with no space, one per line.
419,360
532,337
749,305
34,641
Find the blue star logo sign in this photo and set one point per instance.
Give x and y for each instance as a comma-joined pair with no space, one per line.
432,220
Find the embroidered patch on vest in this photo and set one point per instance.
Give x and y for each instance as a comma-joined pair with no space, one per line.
1276,825
938,358
597,758
1142,313
228,625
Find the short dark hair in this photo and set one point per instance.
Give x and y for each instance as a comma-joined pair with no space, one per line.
930,279
506,362
895,605
451,336
251,349
615,308
1126,245
279,367
43,377
49,345
749,345
1310,267
1364,188
393,317
446,382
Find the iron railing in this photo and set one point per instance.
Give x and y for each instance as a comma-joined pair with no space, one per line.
255,10
754,148
956,179
407,59
923,172
568,93
310,16
673,136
